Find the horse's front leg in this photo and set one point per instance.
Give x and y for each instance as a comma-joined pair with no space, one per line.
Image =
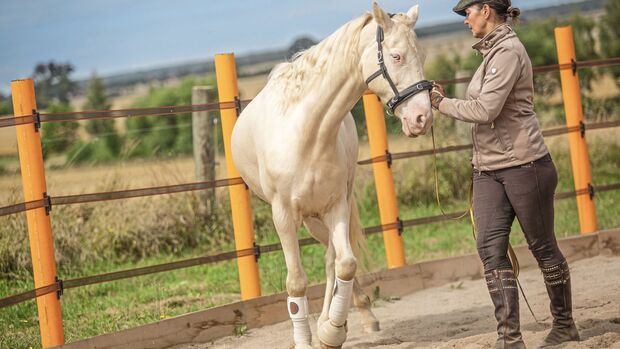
330,282
332,333
319,231
287,224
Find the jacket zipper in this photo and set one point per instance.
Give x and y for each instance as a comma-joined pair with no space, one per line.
473,137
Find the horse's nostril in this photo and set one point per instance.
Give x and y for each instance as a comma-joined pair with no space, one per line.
420,119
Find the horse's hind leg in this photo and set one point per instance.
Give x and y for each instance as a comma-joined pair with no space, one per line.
361,301
296,281
363,304
333,332
319,231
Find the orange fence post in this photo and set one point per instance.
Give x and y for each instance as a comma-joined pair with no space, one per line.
574,117
226,74
39,225
384,181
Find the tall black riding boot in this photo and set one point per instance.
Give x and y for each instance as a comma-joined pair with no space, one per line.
557,280
504,293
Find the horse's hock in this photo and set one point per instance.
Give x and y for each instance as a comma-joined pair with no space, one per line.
200,329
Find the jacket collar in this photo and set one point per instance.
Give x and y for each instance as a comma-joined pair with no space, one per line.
503,31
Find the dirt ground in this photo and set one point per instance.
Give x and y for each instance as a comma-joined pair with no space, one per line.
460,315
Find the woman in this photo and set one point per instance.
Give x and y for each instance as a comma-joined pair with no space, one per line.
513,172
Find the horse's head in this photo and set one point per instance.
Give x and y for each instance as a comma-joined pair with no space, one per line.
399,79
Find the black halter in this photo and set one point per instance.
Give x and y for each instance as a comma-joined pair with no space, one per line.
399,97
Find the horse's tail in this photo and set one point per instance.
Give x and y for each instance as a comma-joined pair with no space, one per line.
357,238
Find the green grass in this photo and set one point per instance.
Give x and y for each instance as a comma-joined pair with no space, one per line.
102,308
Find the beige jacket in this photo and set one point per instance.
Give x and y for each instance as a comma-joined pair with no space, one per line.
500,105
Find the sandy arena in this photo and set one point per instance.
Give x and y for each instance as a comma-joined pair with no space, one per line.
460,315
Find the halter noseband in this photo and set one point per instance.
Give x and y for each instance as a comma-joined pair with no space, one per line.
399,97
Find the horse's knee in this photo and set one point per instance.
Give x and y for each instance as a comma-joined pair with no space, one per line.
346,267
296,284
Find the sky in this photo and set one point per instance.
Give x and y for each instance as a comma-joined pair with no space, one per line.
114,36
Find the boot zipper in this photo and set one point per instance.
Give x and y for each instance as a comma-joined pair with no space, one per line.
501,286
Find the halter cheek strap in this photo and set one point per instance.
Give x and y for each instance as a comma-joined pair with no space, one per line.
399,97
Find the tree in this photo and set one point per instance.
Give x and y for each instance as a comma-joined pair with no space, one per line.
6,105
53,84
58,137
539,41
96,98
443,68
102,132
609,33
150,136
302,43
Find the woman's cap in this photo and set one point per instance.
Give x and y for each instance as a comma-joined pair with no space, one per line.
463,5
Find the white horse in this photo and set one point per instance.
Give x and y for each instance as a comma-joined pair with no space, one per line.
295,146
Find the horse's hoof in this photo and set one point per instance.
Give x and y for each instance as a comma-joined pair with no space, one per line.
372,327
330,336
303,346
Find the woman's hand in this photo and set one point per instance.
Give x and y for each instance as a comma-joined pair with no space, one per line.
437,95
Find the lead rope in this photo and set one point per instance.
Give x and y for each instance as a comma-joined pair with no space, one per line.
511,253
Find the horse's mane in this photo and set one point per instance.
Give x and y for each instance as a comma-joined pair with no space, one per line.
293,76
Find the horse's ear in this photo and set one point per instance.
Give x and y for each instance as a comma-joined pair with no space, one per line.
381,17
413,15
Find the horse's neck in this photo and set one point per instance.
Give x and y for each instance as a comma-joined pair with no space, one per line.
332,98
332,85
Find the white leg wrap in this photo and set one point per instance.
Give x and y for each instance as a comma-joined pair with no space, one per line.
341,302
298,311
